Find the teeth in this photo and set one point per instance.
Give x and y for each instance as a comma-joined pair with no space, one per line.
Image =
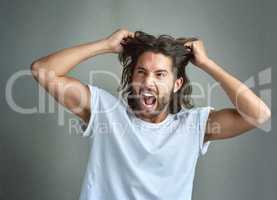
147,94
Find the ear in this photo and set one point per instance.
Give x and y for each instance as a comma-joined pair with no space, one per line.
178,84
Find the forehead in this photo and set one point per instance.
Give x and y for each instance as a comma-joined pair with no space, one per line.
154,61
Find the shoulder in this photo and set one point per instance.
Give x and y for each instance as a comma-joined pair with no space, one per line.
196,110
105,99
101,92
195,113
188,111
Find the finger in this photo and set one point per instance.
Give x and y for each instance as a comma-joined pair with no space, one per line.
188,44
126,37
131,34
190,40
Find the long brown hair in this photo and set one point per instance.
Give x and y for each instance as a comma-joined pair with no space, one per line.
168,46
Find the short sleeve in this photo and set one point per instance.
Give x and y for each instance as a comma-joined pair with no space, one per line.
86,129
203,114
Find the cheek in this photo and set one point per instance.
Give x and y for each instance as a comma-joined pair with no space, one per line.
136,85
165,86
165,92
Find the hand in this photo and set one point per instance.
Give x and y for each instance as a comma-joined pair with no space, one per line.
115,40
200,56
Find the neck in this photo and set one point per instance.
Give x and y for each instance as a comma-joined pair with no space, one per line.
157,118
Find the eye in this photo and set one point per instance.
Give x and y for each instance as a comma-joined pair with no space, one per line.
140,72
161,74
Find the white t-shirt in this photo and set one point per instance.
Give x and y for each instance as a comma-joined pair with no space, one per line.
132,159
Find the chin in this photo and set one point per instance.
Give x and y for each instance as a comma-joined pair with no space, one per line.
150,112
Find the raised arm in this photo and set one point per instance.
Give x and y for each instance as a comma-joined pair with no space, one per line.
249,112
51,72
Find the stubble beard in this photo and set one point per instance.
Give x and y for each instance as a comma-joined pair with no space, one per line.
163,104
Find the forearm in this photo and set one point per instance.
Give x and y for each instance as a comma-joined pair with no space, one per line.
62,61
244,100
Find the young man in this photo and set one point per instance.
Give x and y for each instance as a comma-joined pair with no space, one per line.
146,146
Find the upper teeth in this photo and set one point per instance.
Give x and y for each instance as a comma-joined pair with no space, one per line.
148,94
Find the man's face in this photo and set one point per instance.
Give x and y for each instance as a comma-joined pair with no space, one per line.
153,84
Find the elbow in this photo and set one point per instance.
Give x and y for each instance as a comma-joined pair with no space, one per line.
264,116
34,67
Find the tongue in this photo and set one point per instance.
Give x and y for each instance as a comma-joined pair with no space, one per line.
149,100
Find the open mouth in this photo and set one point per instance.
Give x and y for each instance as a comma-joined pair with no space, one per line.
148,100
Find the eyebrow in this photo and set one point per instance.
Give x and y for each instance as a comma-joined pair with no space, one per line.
159,70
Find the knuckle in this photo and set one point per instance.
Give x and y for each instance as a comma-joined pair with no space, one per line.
123,29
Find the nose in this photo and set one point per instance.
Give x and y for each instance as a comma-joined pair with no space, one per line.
149,82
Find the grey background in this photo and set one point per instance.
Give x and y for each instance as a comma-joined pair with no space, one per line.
40,159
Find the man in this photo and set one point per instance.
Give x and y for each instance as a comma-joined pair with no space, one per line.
146,146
